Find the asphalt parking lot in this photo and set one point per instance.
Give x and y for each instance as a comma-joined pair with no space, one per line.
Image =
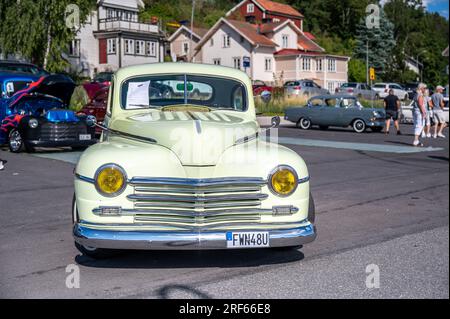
380,203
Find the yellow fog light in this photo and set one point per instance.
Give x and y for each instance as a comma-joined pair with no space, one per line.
110,180
283,181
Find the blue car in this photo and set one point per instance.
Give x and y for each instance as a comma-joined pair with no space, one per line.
33,113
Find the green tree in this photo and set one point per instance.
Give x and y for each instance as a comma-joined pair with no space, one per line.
356,71
379,41
37,29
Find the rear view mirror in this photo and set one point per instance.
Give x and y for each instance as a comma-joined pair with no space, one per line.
275,121
91,121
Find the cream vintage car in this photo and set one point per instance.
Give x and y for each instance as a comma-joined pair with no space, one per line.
187,169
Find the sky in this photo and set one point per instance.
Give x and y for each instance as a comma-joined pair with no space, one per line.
439,6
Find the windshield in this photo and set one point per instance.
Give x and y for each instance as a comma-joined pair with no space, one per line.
12,87
173,90
349,85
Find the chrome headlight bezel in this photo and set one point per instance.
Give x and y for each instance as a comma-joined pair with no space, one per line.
114,166
33,123
277,169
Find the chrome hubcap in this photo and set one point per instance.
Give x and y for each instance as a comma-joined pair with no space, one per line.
15,140
359,125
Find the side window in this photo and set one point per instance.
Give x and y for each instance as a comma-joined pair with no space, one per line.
316,102
238,98
330,102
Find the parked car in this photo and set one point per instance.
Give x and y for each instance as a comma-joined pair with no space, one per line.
336,110
97,106
103,78
406,113
361,90
21,67
36,114
305,88
260,86
179,172
383,90
411,89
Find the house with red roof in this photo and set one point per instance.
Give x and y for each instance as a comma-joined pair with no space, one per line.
272,47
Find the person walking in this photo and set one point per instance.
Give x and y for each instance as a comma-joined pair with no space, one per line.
419,113
392,107
437,100
429,108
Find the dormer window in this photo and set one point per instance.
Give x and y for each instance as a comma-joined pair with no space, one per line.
250,8
285,40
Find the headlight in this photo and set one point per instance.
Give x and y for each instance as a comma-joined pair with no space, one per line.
283,181
33,123
110,180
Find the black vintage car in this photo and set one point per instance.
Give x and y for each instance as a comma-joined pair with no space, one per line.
37,114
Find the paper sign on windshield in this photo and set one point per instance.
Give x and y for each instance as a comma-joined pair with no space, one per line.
137,96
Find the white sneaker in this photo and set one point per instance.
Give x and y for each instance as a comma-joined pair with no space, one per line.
423,135
434,136
429,135
441,135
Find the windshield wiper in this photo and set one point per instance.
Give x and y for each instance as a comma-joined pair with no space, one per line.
143,106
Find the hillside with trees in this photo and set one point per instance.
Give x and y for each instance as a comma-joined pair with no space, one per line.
406,29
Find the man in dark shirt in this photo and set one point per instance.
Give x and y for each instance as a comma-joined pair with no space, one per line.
392,107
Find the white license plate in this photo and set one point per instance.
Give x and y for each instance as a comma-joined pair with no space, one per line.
85,137
247,239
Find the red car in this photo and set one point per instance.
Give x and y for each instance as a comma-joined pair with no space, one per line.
260,86
97,106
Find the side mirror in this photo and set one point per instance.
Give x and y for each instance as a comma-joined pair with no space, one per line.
266,96
91,121
276,121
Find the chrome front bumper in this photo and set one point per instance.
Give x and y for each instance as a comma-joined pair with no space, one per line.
183,240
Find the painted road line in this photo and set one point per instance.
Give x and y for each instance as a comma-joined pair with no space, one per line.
357,146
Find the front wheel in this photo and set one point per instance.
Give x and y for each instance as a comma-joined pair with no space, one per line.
304,123
16,143
359,126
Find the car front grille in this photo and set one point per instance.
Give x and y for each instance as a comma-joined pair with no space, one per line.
62,131
194,203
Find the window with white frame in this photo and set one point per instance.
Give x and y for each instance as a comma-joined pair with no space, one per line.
129,46
268,65
74,48
331,65
140,47
151,48
275,20
237,63
319,65
211,42
285,41
216,61
226,40
185,47
111,46
306,64
330,86
250,8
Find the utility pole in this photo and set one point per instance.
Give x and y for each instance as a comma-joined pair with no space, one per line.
192,31
367,62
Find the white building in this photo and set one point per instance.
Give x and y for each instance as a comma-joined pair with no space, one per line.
275,52
113,37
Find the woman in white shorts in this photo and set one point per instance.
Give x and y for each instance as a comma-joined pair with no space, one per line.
419,113
427,128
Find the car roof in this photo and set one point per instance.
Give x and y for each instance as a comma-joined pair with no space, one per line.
17,63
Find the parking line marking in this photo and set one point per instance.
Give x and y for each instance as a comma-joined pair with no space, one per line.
68,157
358,146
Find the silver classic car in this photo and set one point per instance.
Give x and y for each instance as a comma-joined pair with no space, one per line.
336,110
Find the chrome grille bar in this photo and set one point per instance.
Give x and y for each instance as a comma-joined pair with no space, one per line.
196,199
189,182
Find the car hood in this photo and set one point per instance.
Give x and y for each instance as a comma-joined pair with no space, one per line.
56,85
197,138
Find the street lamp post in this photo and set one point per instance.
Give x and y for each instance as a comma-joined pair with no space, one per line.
192,31
418,64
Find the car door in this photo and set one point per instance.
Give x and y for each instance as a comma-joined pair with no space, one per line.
329,112
314,110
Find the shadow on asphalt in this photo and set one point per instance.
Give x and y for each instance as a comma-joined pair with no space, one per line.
164,292
194,259
442,158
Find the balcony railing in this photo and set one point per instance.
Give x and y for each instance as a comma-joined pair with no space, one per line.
116,24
